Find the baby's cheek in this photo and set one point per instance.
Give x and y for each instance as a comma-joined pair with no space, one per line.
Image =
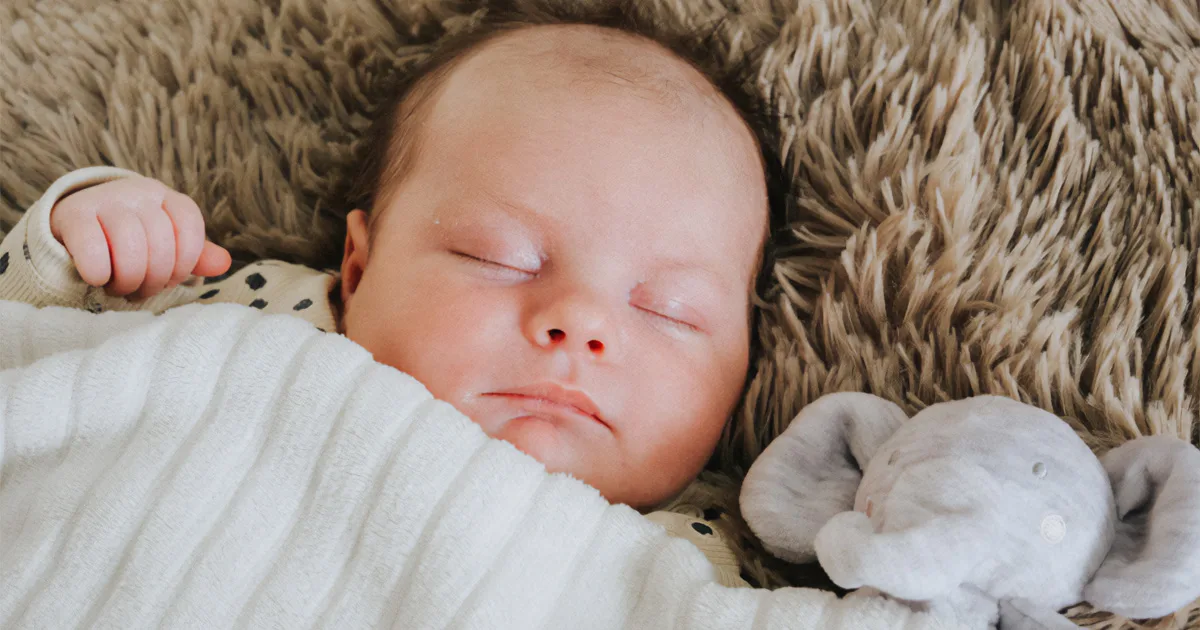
689,406
457,345
386,329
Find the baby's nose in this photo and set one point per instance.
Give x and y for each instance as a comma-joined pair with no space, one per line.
558,337
575,322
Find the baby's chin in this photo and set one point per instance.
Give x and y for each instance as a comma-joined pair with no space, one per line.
582,451
542,439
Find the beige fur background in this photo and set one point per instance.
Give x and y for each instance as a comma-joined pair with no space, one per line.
986,196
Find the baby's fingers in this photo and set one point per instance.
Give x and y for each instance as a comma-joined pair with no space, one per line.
88,246
127,244
160,254
214,261
193,254
188,224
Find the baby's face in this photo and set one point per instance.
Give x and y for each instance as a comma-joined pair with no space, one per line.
569,262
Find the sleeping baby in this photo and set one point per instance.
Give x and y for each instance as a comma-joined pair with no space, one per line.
561,235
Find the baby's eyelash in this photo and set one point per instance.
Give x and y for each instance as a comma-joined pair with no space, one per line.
491,264
477,259
670,320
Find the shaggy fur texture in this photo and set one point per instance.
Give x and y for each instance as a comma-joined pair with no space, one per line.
985,196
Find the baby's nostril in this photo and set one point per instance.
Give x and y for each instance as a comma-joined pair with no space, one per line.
556,335
595,346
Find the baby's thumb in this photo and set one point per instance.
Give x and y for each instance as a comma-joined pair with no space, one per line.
213,261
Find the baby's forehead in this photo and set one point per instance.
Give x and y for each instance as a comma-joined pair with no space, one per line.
547,70
564,110
588,59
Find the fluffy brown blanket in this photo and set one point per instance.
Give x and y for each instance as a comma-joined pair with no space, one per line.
985,196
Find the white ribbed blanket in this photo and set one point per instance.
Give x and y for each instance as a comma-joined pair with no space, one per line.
215,467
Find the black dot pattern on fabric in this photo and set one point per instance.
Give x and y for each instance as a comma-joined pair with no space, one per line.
302,304
3,263
25,250
256,281
259,304
702,529
209,294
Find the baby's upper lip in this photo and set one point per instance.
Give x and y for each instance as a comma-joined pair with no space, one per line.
556,394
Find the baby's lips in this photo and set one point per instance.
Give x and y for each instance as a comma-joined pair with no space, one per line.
553,399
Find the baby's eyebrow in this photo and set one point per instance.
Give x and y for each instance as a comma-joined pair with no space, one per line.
692,268
512,208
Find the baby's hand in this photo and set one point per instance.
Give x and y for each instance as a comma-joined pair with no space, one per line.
135,236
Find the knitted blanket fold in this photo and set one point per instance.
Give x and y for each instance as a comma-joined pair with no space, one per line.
215,467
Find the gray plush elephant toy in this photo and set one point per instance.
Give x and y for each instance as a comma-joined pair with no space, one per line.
986,510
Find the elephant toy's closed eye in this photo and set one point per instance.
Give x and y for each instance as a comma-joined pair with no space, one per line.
987,508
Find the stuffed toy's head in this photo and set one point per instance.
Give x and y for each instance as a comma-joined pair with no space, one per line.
991,509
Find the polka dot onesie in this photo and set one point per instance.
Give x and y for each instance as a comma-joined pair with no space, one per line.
36,269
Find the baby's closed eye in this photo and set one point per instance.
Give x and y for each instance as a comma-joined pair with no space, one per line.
673,311
488,239
510,271
670,303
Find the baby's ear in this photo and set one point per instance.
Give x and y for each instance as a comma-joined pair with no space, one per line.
811,472
1153,567
354,258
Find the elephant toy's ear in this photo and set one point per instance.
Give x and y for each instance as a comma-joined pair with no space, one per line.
812,470
1153,568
